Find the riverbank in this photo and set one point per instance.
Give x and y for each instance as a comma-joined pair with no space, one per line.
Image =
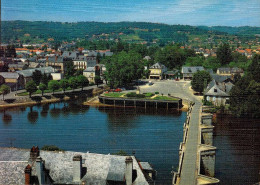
49,98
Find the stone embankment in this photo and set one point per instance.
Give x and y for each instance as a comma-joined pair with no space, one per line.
202,170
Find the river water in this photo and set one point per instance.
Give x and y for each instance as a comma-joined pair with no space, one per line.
238,150
153,136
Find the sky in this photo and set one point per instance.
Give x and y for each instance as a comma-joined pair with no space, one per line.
185,12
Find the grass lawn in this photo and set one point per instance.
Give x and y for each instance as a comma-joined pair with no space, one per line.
164,98
114,94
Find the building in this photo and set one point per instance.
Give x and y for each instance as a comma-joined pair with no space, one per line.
82,62
56,62
188,72
32,166
218,90
230,71
27,74
157,70
91,72
12,79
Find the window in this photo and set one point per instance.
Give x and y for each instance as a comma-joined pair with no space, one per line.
215,90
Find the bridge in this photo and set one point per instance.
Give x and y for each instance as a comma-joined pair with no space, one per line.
197,155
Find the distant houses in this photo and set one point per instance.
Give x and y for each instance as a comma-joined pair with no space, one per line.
12,79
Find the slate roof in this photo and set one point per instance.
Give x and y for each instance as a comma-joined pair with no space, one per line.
230,70
157,66
99,167
55,59
29,72
192,69
215,90
221,78
89,69
9,75
146,166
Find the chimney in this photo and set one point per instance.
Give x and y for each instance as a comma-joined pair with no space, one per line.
47,58
56,58
34,153
129,170
40,171
28,173
77,168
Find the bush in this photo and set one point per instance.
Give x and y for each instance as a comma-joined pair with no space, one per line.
51,148
148,94
156,92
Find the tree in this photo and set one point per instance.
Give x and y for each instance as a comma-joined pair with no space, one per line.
37,76
31,87
73,82
224,54
79,72
64,84
69,68
45,79
245,95
42,87
123,68
200,81
53,85
97,79
4,89
82,81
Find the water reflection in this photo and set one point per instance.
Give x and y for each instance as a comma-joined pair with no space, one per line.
7,118
238,143
45,110
32,116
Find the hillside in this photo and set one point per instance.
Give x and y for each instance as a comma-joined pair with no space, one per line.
38,31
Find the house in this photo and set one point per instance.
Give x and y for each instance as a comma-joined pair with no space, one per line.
12,79
91,72
218,90
17,66
27,74
56,62
32,166
230,71
157,70
188,72
82,62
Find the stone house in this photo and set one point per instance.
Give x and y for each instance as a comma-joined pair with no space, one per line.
230,71
12,79
218,90
157,70
188,72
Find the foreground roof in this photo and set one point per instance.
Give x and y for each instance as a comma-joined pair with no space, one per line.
100,167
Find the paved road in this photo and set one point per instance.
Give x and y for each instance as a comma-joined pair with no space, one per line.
181,89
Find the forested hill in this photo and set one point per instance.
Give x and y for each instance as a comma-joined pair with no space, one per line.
39,31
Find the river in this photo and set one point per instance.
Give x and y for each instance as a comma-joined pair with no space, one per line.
152,136
238,150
